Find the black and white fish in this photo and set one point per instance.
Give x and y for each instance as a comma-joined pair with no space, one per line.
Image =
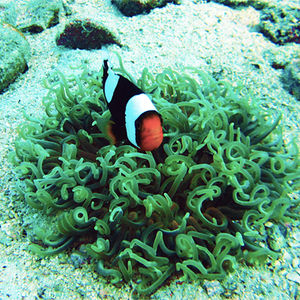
134,116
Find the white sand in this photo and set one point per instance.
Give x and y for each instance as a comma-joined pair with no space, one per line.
209,36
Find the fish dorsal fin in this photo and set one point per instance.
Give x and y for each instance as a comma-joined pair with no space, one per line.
110,81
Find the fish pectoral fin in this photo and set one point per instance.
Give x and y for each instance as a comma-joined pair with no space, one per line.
109,131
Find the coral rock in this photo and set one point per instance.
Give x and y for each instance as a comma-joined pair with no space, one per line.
291,78
14,54
39,15
281,24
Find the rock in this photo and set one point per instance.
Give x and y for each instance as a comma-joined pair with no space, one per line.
131,8
14,54
259,4
296,263
5,239
39,15
67,8
281,24
233,3
280,57
293,276
295,239
85,35
77,259
8,13
286,258
291,78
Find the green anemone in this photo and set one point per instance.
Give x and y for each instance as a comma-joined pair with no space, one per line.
192,207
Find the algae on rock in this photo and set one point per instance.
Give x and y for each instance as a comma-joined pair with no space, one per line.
83,34
131,8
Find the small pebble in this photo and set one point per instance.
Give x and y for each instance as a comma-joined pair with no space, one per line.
287,257
213,288
76,260
277,264
293,276
276,239
282,272
41,292
268,224
295,262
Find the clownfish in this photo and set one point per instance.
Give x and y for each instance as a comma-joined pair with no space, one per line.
134,116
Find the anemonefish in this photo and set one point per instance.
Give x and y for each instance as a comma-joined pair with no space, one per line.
134,117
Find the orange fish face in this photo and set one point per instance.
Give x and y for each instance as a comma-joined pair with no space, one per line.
150,132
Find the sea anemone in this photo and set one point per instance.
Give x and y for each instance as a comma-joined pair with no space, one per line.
193,207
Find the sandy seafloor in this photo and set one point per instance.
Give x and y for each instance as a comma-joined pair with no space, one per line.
210,36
